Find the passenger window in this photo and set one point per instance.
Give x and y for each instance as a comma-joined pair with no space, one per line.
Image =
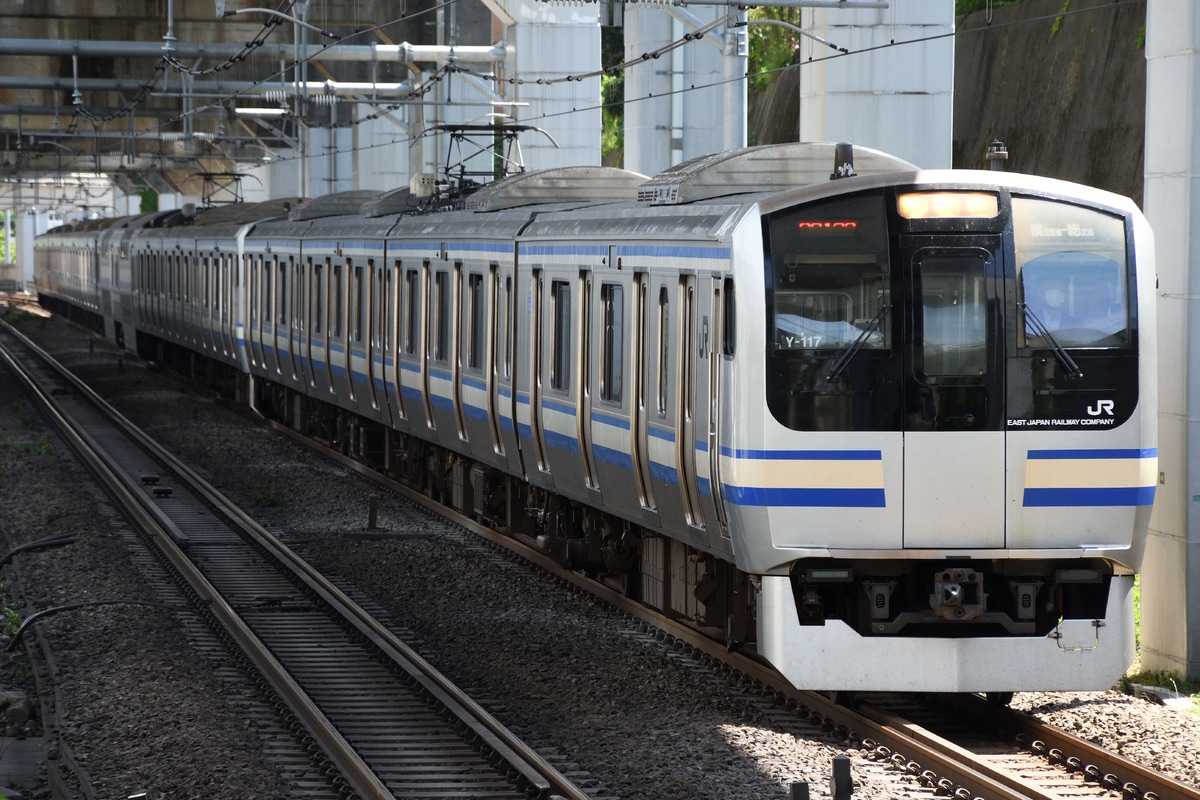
504,326
612,334
358,315
1072,275
560,353
475,309
318,320
441,304
664,331
336,303
411,297
729,331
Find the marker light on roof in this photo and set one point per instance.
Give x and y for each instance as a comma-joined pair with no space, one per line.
947,205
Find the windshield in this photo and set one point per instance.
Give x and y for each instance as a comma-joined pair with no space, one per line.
822,304
1072,275
830,277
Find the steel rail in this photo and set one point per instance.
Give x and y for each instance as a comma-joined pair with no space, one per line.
119,486
909,744
1129,777
949,766
537,773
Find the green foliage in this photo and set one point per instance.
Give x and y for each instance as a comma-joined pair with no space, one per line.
612,137
1137,611
612,96
149,197
14,315
1163,680
39,445
772,47
1159,678
8,249
1062,12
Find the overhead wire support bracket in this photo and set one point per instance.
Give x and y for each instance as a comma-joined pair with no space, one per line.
222,13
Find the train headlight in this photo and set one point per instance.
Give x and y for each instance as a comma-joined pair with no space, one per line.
948,205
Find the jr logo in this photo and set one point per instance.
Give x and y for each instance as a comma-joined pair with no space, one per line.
1101,407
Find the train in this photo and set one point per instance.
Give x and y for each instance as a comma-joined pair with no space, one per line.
890,429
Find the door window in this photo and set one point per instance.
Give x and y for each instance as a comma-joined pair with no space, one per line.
953,314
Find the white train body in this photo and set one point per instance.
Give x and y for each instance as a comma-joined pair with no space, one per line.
861,392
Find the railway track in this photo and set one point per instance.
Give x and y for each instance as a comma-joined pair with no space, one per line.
381,721
1018,751
955,745
1001,754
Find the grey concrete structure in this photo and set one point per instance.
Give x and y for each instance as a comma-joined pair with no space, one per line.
1171,580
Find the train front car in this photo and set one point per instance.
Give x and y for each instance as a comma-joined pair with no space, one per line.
949,484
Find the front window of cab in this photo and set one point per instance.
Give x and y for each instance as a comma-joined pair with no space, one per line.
828,303
1072,278
830,276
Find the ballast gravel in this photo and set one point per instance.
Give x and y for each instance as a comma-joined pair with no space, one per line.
603,699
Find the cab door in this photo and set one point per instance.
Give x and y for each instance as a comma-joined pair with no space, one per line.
954,439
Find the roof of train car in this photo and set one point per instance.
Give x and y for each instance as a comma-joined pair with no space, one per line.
765,168
396,201
225,221
563,185
692,199
333,205
238,214
707,220
153,219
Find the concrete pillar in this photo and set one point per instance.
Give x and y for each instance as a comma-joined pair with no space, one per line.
898,98
1170,631
551,41
691,101
331,161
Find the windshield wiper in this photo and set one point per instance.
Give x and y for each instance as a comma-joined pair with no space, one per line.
1060,352
840,365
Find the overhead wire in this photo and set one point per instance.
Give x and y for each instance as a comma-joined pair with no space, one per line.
267,27
446,70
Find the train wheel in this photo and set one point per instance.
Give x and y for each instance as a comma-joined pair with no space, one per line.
998,699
